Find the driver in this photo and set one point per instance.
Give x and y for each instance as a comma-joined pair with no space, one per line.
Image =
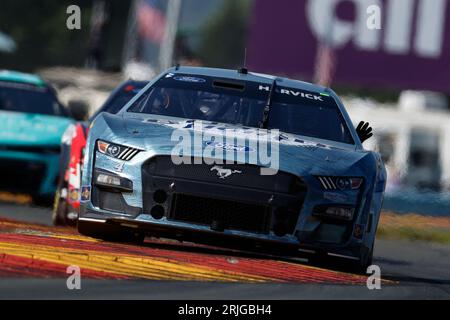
161,102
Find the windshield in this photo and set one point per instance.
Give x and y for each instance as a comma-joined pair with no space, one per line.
217,100
28,98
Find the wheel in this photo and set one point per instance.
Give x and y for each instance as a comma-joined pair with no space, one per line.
359,266
59,214
365,261
109,232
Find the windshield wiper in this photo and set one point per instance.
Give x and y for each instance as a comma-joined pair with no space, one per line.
268,106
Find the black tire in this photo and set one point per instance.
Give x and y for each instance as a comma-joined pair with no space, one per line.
59,214
109,232
365,261
359,266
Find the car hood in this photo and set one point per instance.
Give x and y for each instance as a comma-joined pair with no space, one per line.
31,129
297,154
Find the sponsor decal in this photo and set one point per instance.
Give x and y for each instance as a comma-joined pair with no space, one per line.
85,193
223,173
358,231
251,133
294,93
335,197
74,194
216,142
119,167
189,79
229,147
113,150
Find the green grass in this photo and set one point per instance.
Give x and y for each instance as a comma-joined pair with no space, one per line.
431,235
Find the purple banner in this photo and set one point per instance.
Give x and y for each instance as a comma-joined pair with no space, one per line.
377,43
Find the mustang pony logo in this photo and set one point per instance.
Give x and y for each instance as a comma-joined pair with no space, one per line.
223,173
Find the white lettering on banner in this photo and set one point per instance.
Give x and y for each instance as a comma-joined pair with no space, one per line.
294,93
430,32
398,26
398,31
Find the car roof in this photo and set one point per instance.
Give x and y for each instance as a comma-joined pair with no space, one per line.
250,76
266,79
20,77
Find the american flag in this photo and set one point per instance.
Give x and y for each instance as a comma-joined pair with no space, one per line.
151,21
325,64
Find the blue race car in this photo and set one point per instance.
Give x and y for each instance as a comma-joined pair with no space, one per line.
230,157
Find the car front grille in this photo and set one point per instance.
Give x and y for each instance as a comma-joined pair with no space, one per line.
245,175
222,213
244,200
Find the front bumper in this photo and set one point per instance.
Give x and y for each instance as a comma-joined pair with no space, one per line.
282,200
29,172
289,245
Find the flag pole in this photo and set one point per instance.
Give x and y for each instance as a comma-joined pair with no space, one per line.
326,60
167,48
130,42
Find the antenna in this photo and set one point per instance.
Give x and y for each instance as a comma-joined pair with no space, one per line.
245,57
244,69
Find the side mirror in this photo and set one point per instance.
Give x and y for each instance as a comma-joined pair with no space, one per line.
364,131
79,109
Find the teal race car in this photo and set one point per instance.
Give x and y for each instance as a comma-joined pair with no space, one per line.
32,122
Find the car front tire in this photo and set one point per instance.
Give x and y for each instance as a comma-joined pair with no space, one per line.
59,214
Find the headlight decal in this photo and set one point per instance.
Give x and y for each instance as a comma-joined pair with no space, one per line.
128,153
327,183
117,151
340,183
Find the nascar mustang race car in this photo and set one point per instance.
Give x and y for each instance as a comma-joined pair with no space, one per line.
32,121
233,157
67,201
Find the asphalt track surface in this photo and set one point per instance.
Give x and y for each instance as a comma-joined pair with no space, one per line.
34,257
